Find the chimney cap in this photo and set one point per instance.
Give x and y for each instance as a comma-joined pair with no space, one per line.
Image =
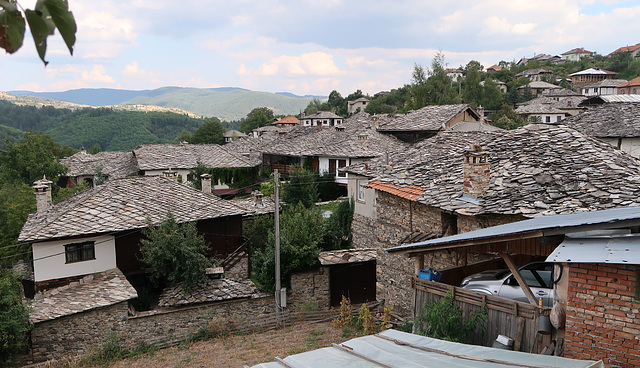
42,182
205,176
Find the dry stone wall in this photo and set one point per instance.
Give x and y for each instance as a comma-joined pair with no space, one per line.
79,333
311,286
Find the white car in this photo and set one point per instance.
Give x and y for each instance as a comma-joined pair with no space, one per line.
538,275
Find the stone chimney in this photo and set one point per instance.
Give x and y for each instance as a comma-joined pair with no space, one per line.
257,197
476,171
43,194
83,150
206,183
480,111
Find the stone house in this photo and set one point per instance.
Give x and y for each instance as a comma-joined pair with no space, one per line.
603,87
442,187
322,118
539,87
615,123
100,229
231,135
536,75
564,101
357,105
595,277
541,112
84,167
426,122
328,149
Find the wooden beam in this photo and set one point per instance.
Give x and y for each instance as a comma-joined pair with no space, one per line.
516,273
418,263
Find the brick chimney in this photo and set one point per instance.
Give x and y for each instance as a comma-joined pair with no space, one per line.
206,183
43,194
476,171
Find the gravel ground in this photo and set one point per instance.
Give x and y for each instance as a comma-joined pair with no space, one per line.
238,351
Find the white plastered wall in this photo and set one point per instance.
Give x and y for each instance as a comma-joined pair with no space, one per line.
49,260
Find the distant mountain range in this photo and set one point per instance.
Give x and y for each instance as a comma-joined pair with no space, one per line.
226,103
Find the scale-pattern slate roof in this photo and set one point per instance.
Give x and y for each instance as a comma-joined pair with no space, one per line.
114,164
606,83
125,204
210,291
540,85
538,108
535,170
91,292
351,139
334,257
428,118
187,156
619,120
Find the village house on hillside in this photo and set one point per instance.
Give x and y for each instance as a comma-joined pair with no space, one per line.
589,76
458,182
426,122
631,87
603,87
321,118
576,54
328,149
84,167
634,51
357,105
551,106
615,123
536,75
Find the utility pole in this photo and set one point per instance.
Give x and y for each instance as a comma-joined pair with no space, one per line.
277,221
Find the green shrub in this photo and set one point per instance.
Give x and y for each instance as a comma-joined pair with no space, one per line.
444,320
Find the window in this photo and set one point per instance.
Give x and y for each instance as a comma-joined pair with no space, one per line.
548,119
79,252
341,164
361,184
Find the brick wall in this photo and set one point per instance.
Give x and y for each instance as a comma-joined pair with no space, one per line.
603,318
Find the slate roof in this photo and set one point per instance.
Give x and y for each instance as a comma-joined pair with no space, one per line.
352,139
607,83
230,134
535,71
597,100
535,170
538,108
343,256
125,204
322,115
91,292
428,118
210,291
187,156
114,164
619,120
540,85
267,205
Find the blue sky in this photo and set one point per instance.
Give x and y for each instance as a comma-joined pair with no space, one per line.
306,47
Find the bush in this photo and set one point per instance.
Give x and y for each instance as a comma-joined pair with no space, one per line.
443,320
14,317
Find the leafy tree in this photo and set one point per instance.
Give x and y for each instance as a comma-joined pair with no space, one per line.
316,105
256,118
337,233
36,155
184,136
17,201
175,253
300,236
441,91
47,16
492,98
94,149
302,187
506,118
209,133
418,90
337,102
472,92
14,317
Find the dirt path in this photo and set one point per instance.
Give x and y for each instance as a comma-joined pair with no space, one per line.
237,351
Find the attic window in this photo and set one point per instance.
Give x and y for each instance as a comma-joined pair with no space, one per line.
79,252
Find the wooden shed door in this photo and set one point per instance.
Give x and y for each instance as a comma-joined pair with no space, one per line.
356,281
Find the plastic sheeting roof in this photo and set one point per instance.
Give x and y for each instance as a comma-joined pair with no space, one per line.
618,250
400,349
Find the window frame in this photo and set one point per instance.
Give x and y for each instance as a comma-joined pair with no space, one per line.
79,252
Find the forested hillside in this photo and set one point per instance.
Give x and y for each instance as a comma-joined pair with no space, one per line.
110,130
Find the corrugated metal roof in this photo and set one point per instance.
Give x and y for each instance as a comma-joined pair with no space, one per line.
565,222
620,98
400,349
618,250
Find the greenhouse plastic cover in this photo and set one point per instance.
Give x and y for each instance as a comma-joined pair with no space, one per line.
393,349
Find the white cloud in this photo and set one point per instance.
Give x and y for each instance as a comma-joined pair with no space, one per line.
311,64
97,74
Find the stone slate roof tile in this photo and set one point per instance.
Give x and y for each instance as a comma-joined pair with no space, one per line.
535,170
351,139
91,292
114,164
428,118
187,156
619,120
334,257
125,204
607,83
212,290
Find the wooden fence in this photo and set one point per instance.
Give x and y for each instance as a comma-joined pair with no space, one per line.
516,320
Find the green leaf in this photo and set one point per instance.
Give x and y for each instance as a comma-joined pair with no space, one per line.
63,19
40,30
12,26
8,5
44,14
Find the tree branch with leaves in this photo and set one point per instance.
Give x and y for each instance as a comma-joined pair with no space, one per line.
43,20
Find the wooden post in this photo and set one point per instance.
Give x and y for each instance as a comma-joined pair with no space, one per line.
516,273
